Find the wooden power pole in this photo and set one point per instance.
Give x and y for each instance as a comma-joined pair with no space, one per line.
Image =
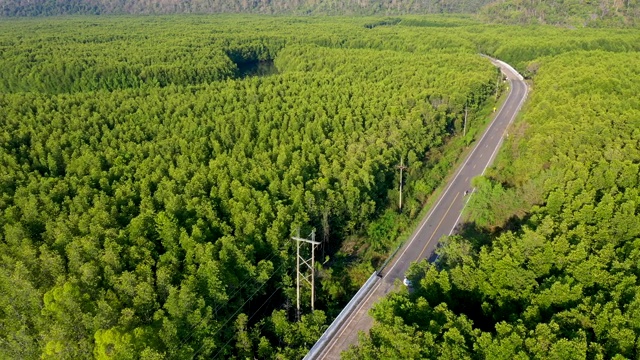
464,131
401,167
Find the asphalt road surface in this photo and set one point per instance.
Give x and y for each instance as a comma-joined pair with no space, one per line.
441,220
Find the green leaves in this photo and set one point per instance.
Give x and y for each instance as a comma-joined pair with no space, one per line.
562,280
148,191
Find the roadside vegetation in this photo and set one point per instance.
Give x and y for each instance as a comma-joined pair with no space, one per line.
547,265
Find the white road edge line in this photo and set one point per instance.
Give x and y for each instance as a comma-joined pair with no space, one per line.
463,207
506,129
442,196
490,161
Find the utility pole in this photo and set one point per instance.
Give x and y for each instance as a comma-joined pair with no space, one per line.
464,132
498,84
401,167
310,266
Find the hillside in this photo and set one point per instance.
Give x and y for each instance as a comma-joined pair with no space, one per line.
618,13
301,7
569,12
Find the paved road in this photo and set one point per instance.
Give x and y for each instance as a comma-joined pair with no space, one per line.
441,219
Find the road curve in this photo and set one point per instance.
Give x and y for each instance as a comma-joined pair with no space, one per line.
441,220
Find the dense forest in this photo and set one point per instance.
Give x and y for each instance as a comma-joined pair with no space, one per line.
548,263
153,170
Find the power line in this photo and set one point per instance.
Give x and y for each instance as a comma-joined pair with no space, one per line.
254,314
264,303
237,311
242,286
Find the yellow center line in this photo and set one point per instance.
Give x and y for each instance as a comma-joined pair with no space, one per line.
437,227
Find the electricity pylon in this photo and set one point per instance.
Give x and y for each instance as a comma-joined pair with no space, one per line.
310,266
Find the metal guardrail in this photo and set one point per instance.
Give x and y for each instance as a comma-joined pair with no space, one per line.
508,67
389,258
344,314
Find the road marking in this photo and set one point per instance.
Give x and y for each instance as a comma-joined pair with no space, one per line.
480,155
505,130
488,130
484,135
474,165
433,233
358,308
362,303
467,179
463,207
